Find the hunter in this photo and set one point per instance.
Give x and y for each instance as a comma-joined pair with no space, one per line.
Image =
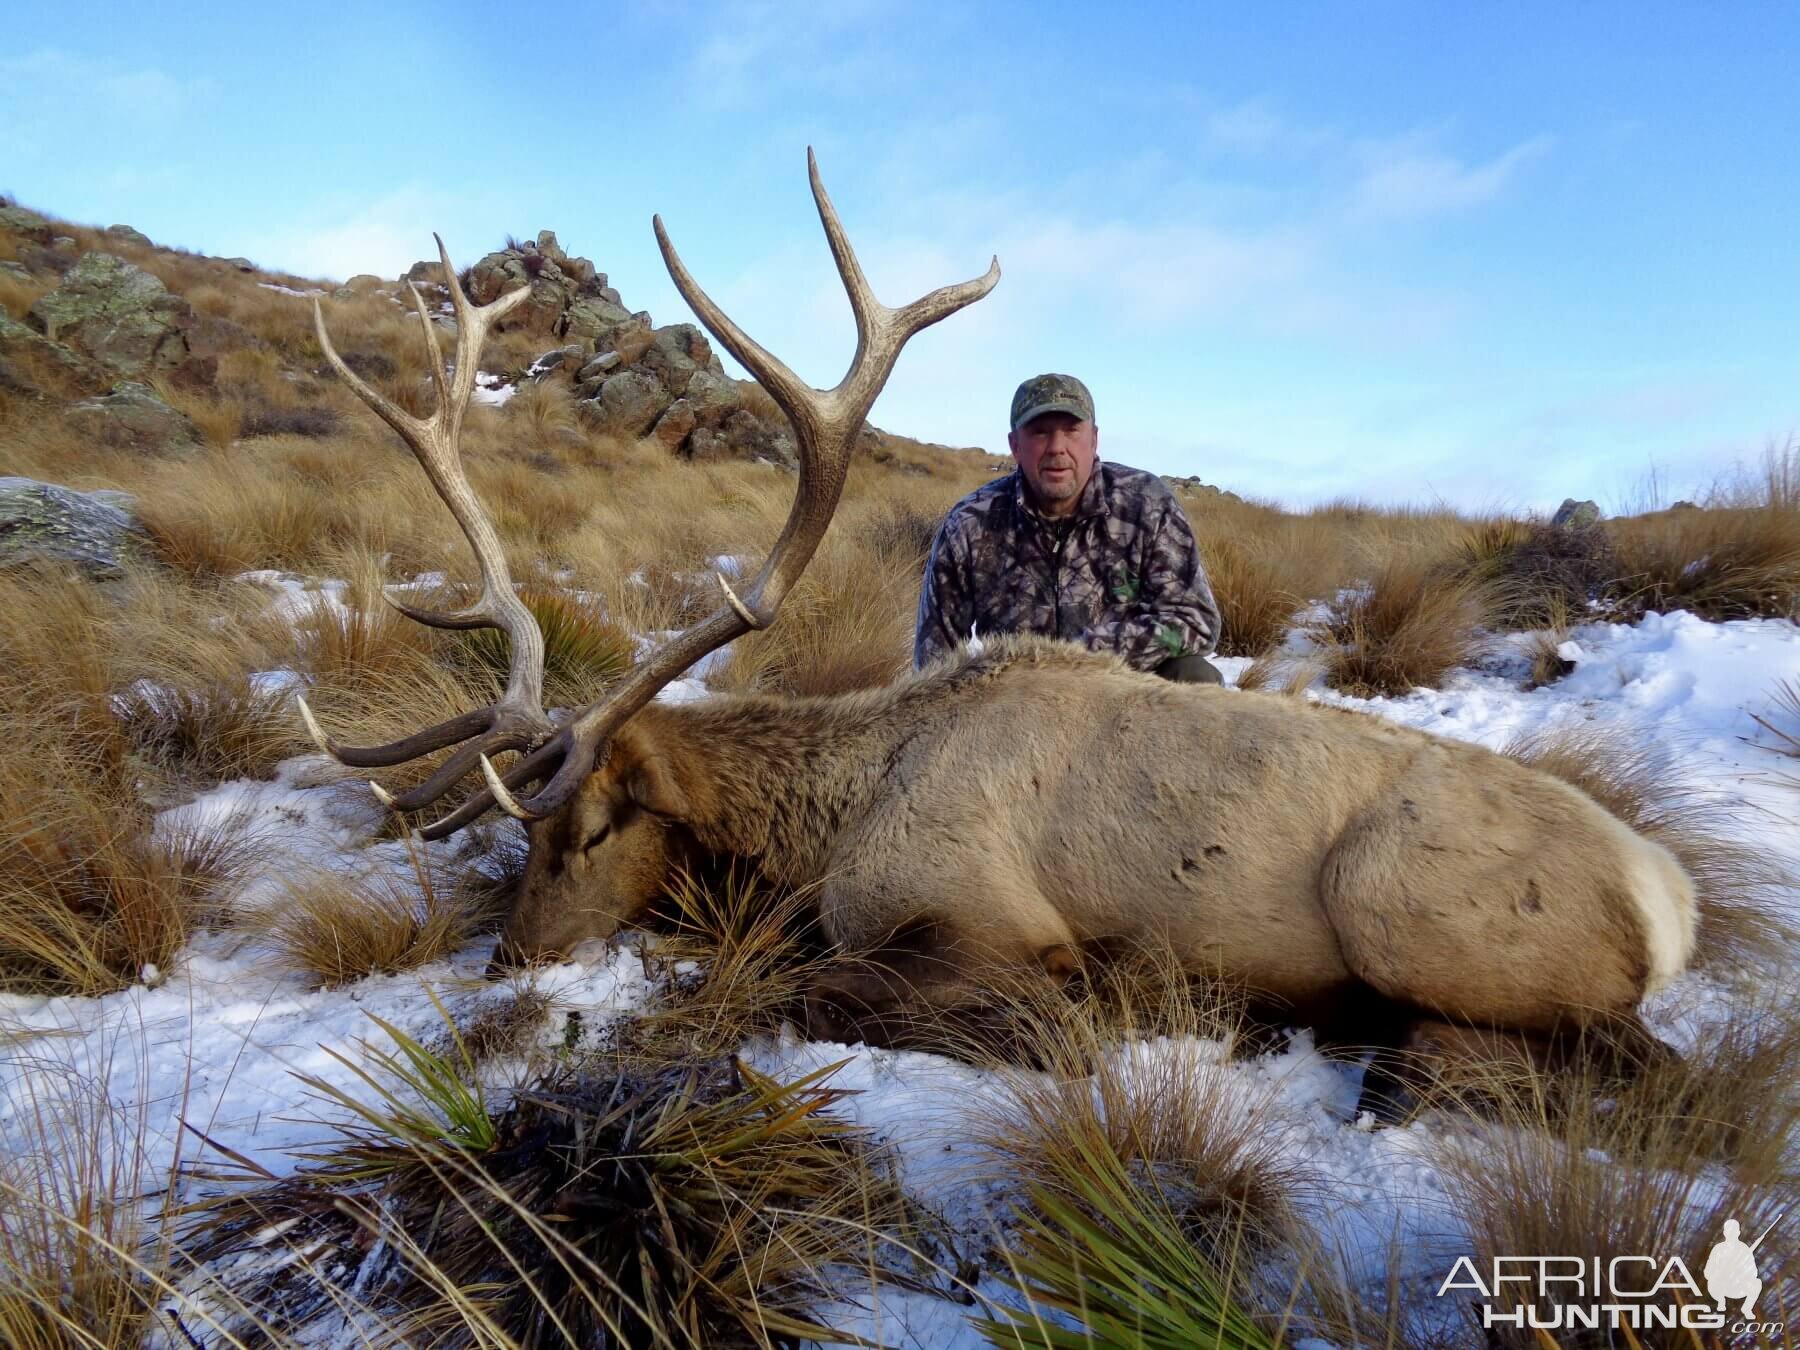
1070,547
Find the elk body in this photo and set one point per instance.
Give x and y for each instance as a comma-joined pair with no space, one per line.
1017,811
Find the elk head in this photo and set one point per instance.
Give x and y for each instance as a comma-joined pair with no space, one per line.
606,821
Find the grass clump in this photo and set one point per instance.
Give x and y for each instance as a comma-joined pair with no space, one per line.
341,929
1407,629
1574,1165
584,651
1254,602
1156,1181
693,1205
1538,573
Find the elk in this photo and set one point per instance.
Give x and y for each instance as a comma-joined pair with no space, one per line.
1022,809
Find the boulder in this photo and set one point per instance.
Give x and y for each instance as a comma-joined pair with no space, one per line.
426,269
594,320
560,358
675,354
493,276
601,366
631,401
365,281
1576,515
130,415
547,245
17,220
242,264
581,272
539,313
45,522
674,426
116,313
747,436
32,364
126,235
714,397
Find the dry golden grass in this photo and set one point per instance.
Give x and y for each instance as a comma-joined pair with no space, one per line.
1723,563
1575,1166
1739,887
1783,722
18,295
1255,606
338,929
847,624
1411,626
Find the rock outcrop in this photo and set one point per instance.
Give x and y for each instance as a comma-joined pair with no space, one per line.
93,532
130,415
117,314
1576,515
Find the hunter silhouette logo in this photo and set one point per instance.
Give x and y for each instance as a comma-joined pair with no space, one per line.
1730,1270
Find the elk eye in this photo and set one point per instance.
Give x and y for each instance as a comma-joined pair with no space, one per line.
595,838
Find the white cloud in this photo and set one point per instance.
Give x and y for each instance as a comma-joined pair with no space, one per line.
385,236
1403,180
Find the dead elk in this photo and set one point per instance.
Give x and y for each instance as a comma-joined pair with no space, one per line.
1013,810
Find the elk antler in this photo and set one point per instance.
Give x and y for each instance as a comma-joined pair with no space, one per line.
517,719
825,423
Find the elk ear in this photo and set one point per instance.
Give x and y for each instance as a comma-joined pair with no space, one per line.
652,786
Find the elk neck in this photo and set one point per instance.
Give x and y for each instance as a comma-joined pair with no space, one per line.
773,779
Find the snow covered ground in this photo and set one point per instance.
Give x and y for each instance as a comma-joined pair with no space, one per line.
216,1041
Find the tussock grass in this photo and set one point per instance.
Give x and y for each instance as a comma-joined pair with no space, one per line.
1576,1166
1537,573
1273,673
584,651
1736,556
691,1206
339,929
1157,1179
1407,629
1253,597
734,966
1739,888
1732,563
83,1263
847,624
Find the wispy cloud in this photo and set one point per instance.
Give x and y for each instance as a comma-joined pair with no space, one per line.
1406,179
385,236
51,82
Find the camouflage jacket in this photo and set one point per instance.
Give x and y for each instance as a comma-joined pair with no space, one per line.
1122,574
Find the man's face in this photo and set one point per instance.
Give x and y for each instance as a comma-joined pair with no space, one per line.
1056,453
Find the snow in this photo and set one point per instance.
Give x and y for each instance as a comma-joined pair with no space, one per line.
217,1038
493,390
288,290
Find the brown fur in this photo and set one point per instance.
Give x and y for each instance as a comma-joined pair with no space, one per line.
1008,810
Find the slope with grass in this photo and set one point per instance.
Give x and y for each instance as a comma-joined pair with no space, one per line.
226,976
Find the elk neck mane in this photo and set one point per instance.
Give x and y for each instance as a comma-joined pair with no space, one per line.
773,777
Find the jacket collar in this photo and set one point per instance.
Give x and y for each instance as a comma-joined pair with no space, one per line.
1093,499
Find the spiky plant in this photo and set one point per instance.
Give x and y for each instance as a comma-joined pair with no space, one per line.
699,1205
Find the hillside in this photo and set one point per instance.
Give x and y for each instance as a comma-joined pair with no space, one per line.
255,1086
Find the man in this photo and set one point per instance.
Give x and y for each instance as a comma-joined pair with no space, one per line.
1070,547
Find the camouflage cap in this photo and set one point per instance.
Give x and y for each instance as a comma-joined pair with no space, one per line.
1051,393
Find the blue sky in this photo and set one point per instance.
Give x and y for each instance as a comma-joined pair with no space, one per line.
1403,252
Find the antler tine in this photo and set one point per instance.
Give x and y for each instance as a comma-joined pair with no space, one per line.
517,719
825,423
